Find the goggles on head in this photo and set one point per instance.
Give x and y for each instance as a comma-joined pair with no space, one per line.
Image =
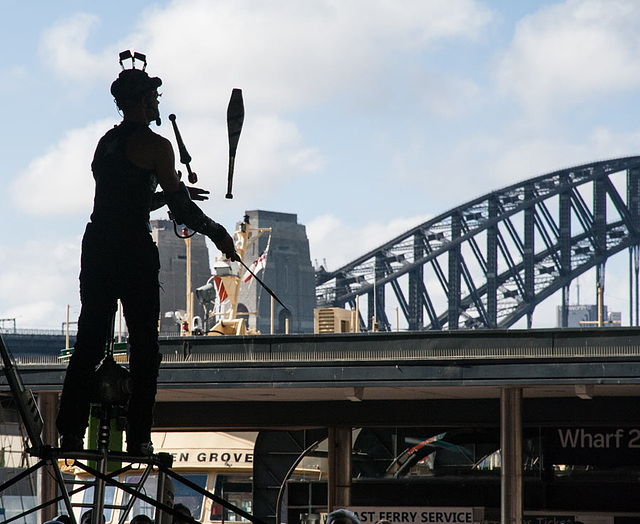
125,55
133,84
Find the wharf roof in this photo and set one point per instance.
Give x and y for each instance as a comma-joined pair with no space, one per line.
275,378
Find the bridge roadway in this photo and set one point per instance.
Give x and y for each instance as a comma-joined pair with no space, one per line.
399,378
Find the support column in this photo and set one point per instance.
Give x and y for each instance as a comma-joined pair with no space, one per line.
636,273
633,203
492,264
339,444
529,252
599,230
511,451
48,405
565,245
416,284
455,257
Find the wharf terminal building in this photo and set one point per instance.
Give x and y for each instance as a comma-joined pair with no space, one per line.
541,424
432,425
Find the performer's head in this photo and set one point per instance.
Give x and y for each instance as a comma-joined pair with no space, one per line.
134,87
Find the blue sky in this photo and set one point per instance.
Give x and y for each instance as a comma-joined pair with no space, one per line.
364,117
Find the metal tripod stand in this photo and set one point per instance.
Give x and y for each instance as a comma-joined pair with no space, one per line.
50,456
112,388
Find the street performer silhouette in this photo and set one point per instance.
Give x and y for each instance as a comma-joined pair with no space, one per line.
120,260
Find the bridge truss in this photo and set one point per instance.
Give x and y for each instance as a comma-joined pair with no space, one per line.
488,263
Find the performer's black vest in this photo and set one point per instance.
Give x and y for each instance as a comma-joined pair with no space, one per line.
123,191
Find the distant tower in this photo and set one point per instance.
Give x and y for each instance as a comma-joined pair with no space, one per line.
288,272
173,272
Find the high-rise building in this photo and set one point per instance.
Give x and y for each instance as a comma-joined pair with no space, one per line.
173,273
288,273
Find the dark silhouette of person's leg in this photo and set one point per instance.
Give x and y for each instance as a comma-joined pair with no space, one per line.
141,305
94,327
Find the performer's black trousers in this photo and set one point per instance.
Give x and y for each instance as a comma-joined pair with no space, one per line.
116,263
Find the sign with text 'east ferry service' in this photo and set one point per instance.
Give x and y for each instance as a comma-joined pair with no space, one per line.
418,515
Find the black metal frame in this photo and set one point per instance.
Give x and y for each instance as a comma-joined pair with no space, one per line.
49,456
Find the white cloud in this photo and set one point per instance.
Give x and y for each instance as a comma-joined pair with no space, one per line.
481,163
448,96
63,47
525,158
37,280
338,243
60,182
573,51
287,54
270,152
274,150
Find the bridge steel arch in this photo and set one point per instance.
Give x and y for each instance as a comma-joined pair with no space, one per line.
488,263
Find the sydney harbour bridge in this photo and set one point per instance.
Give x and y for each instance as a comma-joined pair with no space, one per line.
488,263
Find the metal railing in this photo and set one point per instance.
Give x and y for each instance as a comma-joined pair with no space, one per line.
41,332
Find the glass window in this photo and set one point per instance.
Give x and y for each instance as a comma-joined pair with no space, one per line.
13,505
189,497
235,489
109,496
149,488
182,494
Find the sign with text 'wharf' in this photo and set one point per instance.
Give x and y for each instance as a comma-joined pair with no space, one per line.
597,445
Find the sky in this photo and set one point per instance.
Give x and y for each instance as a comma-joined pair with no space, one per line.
363,117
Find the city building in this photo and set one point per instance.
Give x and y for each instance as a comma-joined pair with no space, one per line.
173,273
586,315
287,271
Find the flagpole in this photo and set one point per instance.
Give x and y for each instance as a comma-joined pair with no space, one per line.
272,308
188,297
267,288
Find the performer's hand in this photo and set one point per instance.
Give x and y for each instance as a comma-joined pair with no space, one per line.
227,246
198,194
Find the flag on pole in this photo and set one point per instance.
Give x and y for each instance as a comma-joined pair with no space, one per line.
220,289
258,264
